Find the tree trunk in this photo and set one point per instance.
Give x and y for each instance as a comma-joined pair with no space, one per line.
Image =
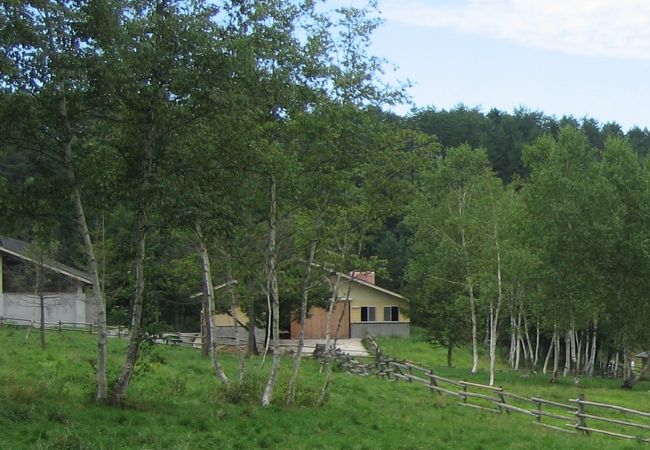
273,293
628,383
592,358
136,335
295,368
556,354
531,353
513,339
536,345
209,306
470,288
494,311
330,311
574,350
450,349
252,340
233,313
41,298
549,353
205,326
330,350
567,352
89,250
472,310
586,358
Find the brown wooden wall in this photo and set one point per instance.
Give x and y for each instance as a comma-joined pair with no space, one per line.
316,322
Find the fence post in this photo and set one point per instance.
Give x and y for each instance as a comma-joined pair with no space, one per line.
582,423
119,331
465,391
90,329
60,327
539,411
2,321
434,382
503,401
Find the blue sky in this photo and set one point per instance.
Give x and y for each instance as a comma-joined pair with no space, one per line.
574,57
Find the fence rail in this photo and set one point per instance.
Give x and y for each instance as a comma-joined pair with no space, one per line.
568,417
193,340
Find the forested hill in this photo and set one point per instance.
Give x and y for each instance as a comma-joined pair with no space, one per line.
503,135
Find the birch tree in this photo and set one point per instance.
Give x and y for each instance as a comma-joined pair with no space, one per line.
571,227
49,67
447,218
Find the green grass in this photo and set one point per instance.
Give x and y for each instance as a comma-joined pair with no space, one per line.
46,403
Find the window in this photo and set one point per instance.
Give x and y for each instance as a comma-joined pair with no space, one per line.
391,313
368,314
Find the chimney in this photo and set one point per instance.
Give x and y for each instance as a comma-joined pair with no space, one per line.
368,277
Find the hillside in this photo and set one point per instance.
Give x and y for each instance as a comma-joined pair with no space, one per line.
46,402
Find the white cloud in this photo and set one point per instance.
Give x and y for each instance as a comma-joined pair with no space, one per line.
602,28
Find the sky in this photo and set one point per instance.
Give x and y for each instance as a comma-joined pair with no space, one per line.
561,57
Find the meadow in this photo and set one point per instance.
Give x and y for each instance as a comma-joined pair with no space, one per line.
175,403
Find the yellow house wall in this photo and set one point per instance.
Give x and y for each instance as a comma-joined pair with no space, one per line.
225,320
365,296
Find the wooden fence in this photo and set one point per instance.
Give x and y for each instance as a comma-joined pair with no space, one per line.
193,340
570,417
117,331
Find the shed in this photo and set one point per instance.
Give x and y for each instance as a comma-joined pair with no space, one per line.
65,289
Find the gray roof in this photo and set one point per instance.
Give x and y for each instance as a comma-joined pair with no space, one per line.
21,249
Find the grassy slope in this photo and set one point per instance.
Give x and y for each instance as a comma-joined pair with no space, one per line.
46,402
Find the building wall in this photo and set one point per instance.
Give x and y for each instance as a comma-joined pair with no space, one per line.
316,323
226,320
351,324
359,330
365,296
65,307
229,333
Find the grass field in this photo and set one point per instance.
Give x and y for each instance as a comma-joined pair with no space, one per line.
46,403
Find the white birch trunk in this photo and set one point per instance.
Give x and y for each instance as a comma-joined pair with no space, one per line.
567,354
470,287
273,294
592,359
295,368
494,311
536,345
472,310
549,353
585,360
556,354
89,250
209,289
513,339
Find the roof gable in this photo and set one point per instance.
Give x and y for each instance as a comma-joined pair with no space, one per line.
373,286
20,249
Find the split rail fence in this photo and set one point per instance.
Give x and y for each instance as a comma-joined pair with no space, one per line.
574,416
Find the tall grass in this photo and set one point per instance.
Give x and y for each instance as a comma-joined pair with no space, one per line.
46,403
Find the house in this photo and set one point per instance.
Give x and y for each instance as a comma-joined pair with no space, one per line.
362,307
64,289
224,323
